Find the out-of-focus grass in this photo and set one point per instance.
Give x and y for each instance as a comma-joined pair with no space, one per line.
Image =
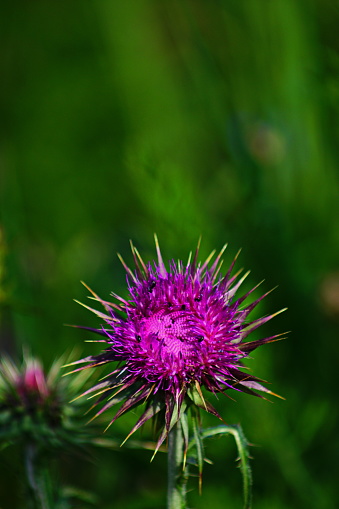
218,118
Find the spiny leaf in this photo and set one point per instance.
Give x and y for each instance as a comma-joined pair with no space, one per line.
243,451
185,433
199,446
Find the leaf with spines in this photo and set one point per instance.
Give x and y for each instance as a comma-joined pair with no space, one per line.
195,447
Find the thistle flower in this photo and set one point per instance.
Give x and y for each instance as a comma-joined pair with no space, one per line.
35,406
179,331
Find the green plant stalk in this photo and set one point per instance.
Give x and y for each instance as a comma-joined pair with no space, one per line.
38,479
177,473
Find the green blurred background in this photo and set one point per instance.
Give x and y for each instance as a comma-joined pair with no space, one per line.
219,118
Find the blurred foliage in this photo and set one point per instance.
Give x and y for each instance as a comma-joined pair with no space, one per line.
119,119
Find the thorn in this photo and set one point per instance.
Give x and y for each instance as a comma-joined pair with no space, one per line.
127,269
200,394
162,267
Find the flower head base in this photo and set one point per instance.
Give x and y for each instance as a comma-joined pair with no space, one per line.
179,331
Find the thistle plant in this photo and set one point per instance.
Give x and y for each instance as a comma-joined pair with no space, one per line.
36,415
182,331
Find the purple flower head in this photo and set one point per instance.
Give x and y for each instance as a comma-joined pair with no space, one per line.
32,383
35,404
25,387
180,330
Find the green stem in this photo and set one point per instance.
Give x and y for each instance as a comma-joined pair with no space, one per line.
37,479
177,476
